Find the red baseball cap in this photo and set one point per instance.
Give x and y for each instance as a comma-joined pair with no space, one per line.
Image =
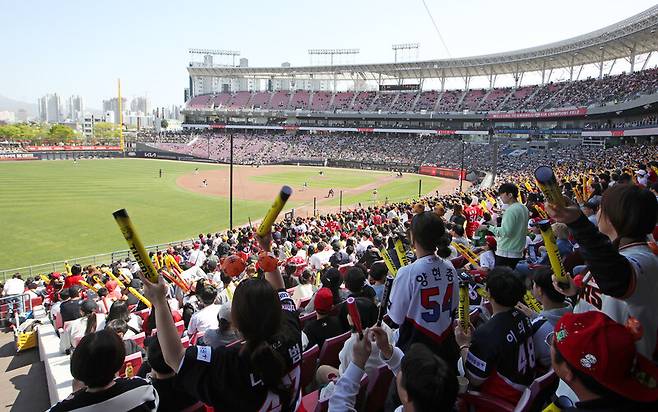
599,347
491,242
324,300
299,244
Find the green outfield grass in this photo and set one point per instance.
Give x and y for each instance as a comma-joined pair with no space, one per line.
296,176
400,189
56,210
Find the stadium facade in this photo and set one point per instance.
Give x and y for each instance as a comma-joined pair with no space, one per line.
595,111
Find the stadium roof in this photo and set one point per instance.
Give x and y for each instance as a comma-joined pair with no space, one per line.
631,37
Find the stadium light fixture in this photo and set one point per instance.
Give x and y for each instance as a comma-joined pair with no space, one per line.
404,46
333,51
215,52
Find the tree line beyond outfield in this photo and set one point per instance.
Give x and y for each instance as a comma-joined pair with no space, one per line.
39,133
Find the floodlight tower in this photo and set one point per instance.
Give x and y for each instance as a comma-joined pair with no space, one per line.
331,53
405,46
214,52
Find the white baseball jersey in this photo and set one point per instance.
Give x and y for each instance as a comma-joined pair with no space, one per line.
423,300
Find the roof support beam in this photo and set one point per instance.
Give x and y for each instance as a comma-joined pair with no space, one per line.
647,60
611,66
600,64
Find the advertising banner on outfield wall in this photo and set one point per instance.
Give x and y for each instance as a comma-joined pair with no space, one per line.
67,148
441,172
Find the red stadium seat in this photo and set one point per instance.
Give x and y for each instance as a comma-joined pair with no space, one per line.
195,338
185,341
477,400
309,365
331,348
306,318
235,343
135,362
180,327
378,389
304,302
310,402
538,394
197,407
138,339
144,314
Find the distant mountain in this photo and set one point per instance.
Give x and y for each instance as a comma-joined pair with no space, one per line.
7,104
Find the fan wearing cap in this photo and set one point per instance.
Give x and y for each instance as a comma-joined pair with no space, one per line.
225,333
206,317
499,356
326,325
197,256
488,257
596,357
642,177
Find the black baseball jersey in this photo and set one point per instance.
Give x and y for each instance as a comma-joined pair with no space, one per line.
134,395
225,379
502,355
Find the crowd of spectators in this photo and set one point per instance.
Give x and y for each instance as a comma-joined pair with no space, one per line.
235,318
577,93
264,148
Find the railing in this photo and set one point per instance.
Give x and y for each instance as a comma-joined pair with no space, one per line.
107,258
15,306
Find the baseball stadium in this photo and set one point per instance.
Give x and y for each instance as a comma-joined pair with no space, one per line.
311,236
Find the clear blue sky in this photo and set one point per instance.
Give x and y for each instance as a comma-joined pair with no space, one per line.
82,47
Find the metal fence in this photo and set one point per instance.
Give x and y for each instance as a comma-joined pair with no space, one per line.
107,258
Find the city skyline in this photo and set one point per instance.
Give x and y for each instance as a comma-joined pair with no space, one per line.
150,40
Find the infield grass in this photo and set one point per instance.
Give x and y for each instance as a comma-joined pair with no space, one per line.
400,189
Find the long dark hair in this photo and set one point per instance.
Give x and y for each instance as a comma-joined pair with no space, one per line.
119,310
428,231
88,308
256,312
631,210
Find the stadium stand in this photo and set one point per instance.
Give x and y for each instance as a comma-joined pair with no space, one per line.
342,100
580,93
321,101
625,171
363,101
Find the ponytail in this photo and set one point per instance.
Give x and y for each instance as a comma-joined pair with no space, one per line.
443,246
91,323
270,366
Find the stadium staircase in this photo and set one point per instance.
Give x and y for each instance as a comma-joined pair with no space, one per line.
331,101
413,105
353,100
531,96
548,102
461,99
502,104
392,105
290,101
438,101
484,98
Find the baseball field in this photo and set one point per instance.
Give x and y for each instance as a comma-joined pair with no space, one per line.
56,210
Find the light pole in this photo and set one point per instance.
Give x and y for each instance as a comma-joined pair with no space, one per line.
230,184
461,169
